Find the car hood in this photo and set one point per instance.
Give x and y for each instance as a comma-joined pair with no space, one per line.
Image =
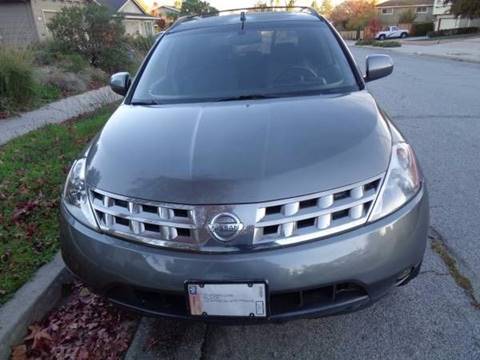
240,151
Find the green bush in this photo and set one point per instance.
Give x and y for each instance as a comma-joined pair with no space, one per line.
45,52
384,44
17,85
50,52
450,32
387,44
365,42
92,32
421,29
72,62
45,93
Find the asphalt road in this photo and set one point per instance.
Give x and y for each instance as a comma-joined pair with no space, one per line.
436,104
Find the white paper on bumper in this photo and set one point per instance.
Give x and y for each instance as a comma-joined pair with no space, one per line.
228,299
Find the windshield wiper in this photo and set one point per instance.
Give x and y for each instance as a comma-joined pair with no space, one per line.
247,97
145,102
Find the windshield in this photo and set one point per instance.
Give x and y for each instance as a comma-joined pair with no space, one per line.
226,63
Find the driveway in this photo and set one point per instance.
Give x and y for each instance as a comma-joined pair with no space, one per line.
436,104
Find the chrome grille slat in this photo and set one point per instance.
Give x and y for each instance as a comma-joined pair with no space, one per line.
265,225
278,220
148,220
351,204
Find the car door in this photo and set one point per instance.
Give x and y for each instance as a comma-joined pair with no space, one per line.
394,32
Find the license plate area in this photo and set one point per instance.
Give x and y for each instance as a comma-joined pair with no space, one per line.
234,299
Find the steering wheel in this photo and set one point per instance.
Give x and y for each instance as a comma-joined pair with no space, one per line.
295,74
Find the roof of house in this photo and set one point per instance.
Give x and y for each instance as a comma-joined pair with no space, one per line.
168,8
115,5
405,3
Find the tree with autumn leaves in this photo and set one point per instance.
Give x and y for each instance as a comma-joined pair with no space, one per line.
325,7
353,14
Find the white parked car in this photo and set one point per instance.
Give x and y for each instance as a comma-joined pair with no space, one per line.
391,32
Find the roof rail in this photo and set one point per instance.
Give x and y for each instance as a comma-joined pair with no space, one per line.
182,19
186,18
263,8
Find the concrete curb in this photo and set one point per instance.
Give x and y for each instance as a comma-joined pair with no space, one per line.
56,112
31,303
38,296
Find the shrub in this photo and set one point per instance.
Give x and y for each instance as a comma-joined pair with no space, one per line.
17,85
365,42
72,62
46,93
421,29
373,27
385,44
458,31
46,52
50,52
92,32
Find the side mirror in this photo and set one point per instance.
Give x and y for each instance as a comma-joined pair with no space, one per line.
120,82
378,66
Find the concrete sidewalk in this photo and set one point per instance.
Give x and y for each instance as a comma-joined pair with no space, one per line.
56,112
466,49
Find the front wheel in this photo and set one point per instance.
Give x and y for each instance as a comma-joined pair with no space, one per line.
404,35
381,37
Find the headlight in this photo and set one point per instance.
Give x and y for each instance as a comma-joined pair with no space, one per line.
75,197
402,182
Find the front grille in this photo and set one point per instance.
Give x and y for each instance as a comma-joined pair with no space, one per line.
316,215
149,222
270,224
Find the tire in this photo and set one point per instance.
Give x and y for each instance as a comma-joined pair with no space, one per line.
404,35
381,37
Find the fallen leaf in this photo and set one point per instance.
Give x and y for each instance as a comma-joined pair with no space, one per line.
19,353
22,210
41,338
84,291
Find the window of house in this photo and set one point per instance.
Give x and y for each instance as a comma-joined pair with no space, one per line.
421,9
387,11
48,15
147,27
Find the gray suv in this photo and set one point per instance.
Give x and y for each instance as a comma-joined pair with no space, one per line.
247,176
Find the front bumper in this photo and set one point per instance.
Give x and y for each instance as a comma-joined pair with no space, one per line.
317,278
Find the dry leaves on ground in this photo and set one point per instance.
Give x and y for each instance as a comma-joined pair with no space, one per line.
87,326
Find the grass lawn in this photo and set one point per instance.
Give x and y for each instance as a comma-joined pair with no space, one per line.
33,168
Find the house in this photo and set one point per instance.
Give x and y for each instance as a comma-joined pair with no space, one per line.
136,19
445,20
25,21
166,14
390,11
